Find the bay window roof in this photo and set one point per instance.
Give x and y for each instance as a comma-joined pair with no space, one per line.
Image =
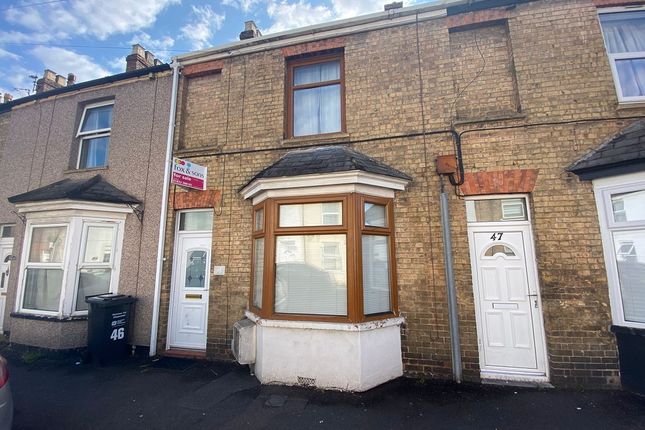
95,189
326,159
622,153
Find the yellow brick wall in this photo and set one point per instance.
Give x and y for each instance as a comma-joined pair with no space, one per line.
562,74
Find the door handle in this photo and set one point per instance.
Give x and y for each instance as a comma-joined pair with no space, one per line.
535,300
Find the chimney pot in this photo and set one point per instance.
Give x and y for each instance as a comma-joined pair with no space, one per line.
49,81
393,5
158,62
150,58
71,79
137,59
7,98
250,31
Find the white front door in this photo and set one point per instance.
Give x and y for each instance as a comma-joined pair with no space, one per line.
6,246
509,320
189,291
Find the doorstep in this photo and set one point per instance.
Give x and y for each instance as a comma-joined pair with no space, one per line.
196,354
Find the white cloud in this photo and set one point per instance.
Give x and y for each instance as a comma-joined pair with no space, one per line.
64,61
116,65
205,22
99,18
153,44
9,55
285,15
19,80
245,5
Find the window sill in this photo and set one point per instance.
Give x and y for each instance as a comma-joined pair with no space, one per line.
502,116
630,105
318,138
48,317
93,169
314,325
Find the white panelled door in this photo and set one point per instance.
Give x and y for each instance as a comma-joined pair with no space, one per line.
190,285
511,336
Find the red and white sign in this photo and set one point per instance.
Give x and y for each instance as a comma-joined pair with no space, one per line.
188,174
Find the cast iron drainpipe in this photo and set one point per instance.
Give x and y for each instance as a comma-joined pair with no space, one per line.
453,314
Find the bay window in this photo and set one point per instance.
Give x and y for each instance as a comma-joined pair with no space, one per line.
621,206
67,260
624,34
325,258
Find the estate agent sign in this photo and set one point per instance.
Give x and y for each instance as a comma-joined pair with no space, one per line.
188,174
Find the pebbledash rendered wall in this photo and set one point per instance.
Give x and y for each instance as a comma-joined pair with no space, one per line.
545,68
39,143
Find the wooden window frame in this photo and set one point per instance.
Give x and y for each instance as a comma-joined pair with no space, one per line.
290,89
352,227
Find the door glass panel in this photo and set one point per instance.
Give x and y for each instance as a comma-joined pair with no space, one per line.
306,280
98,248
311,214
195,269
196,221
629,249
47,244
628,206
7,231
499,249
92,282
496,210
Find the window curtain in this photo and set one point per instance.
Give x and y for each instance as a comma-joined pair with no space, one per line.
625,33
316,110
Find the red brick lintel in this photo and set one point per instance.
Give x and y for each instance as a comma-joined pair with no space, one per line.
499,182
195,199
472,18
319,45
201,69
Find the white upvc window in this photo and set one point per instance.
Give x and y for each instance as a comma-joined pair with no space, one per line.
621,210
94,135
623,30
66,259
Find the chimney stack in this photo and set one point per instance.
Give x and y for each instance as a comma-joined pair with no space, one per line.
140,59
49,81
393,5
71,79
250,31
7,98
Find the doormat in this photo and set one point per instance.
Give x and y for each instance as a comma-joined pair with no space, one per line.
172,363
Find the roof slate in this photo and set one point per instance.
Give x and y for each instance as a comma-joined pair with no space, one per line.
95,189
326,159
622,153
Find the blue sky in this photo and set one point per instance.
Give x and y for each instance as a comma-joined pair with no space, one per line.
91,38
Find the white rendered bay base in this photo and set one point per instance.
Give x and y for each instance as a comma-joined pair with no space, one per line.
337,356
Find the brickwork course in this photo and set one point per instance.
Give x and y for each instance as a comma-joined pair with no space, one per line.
530,89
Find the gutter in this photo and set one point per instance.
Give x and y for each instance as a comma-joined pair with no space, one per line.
363,23
154,329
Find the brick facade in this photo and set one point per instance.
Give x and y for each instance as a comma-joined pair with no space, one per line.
553,70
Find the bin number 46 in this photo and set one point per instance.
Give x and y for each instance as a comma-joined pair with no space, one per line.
118,333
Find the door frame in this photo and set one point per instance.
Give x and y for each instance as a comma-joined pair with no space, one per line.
9,243
530,261
176,263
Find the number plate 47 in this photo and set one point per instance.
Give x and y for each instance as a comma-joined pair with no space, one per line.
496,236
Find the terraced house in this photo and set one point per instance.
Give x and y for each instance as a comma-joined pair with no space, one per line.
409,192
81,167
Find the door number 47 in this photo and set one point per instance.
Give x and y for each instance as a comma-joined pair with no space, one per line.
496,236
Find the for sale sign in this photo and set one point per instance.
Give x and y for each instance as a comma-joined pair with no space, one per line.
188,174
